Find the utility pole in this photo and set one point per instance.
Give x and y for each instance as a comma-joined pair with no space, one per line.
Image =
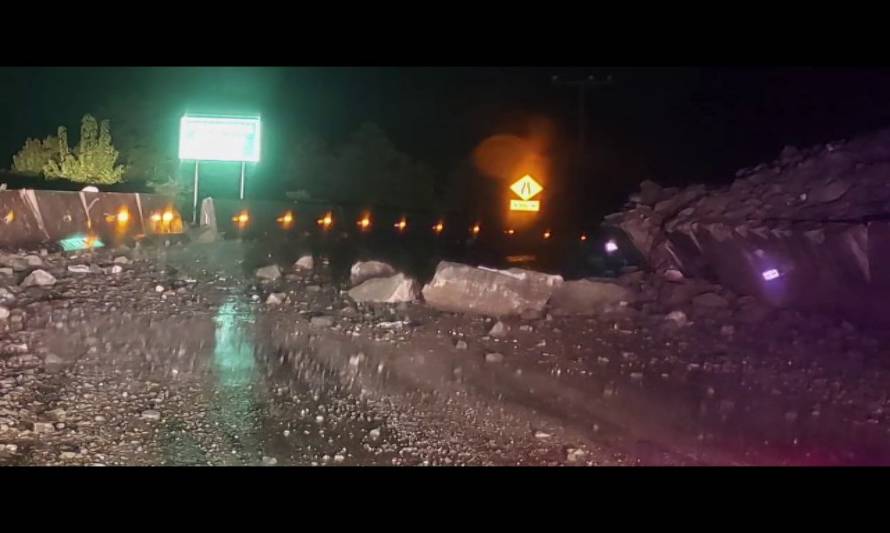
583,85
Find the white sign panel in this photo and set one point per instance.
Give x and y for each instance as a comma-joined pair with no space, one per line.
206,138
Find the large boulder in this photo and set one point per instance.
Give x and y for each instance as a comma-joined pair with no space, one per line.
462,288
585,296
392,289
365,270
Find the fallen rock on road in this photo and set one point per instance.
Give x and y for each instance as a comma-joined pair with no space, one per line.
393,289
462,288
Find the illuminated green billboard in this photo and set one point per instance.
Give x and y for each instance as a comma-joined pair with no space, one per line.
218,138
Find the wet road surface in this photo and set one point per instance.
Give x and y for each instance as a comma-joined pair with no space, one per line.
176,361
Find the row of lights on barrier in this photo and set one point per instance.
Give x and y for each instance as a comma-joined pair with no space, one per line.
326,222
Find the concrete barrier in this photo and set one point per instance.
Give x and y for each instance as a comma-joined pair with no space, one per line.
29,216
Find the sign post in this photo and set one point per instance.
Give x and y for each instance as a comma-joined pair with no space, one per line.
526,188
218,138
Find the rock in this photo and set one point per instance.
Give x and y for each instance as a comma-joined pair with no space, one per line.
542,435
374,433
651,193
4,313
40,278
6,271
205,234
673,275
321,321
828,193
526,328
159,288
117,269
573,455
583,297
499,330
306,262
276,298
53,359
269,273
461,344
393,289
710,300
33,261
462,288
494,357
67,455
18,264
151,414
677,317
121,260
269,461
79,269
365,270
44,427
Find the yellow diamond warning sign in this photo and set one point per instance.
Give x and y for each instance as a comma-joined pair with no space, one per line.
526,188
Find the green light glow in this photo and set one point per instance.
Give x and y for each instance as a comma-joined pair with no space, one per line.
208,138
80,242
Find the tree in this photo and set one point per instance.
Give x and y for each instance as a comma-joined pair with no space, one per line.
35,155
93,160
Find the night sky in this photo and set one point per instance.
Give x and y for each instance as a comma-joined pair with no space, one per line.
673,125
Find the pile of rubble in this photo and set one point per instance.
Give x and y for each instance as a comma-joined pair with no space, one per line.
805,231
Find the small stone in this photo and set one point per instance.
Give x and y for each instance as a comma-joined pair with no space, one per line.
374,433
494,357
12,448
319,419
79,269
43,427
52,359
40,278
269,461
33,261
542,435
574,455
269,273
339,458
117,269
674,276
100,418
4,313
636,376
677,317
159,288
6,271
461,344
305,263
276,298
357,359
526,328
286,433
67,455
499,330
151,414
321,321
121,260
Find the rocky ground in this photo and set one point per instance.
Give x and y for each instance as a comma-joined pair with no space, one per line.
181,355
